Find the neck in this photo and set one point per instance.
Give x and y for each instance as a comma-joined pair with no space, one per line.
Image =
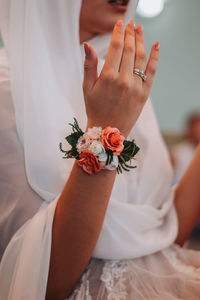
85,35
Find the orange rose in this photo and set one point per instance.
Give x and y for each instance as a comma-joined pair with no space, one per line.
113,139
89,162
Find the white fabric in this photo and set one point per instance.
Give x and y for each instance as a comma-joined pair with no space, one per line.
18,202
170,274
46,75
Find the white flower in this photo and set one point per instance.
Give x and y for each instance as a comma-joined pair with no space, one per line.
82,144
97,148
94,133
85,141
102,159
114,164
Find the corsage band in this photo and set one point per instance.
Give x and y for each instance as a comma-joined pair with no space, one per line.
99,149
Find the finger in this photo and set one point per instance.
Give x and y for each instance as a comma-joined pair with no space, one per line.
128,57
90,67
140,53
114,55
152,67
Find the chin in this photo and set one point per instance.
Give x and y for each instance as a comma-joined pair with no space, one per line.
118,7
100,16
114,10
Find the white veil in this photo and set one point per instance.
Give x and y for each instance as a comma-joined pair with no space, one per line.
46,60
46,77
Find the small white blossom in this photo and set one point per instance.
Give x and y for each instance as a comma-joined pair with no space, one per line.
83,144
103,157
94,133
114,164
97,148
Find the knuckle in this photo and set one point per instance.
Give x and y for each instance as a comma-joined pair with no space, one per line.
86,66
129,48
116,44
152,70
89,65
129,31
142,55
124,84
108,77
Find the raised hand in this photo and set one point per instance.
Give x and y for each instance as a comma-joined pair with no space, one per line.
117,96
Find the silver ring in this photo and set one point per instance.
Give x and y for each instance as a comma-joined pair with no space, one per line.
140,73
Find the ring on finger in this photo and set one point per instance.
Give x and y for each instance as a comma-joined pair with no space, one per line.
140,73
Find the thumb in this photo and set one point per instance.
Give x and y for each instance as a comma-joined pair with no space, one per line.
90,67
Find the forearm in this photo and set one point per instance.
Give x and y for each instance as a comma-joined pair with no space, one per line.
77,224
187,199
114,98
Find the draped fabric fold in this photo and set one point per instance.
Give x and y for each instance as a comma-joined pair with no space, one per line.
46,60
24,268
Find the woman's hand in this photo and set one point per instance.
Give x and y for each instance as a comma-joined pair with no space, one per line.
117,96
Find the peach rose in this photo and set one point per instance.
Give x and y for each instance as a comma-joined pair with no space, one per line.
113,139
89,162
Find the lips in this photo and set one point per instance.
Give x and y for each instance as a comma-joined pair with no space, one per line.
118,2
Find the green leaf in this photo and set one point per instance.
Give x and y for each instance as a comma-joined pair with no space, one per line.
124,168
130,150
73,138
75,127
110,157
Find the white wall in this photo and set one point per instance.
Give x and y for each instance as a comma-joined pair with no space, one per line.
176,89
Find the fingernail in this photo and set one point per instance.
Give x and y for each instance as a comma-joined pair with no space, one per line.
157,46
132,24
120,23
87,49
139,29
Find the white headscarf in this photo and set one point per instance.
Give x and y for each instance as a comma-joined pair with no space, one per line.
42,39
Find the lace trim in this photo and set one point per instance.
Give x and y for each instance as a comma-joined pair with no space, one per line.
82,291
112,276
180,266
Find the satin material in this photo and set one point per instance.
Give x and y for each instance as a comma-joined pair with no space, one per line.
46,74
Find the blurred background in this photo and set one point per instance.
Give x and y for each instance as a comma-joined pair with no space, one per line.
176,91
175,94
1,43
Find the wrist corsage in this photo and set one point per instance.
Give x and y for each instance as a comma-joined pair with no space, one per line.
99,149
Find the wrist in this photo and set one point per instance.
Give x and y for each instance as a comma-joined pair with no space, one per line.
100,148
103,125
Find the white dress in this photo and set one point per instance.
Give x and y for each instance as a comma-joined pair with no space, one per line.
18,202
170,274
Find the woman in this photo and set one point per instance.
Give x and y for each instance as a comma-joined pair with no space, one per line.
131,237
